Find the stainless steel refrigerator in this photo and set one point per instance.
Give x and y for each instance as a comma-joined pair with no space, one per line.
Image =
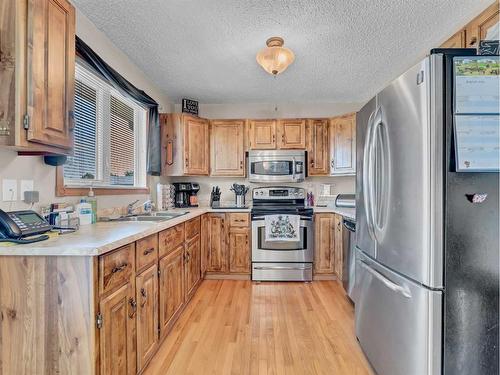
427,219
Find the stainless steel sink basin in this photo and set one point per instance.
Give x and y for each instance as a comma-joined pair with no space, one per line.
154,217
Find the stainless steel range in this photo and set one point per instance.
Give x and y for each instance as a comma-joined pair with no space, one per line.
281,260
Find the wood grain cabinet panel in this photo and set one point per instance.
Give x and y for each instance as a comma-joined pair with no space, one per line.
324,243
262,134
292,134
147,315
239,250
146,250
196,146
239,219
338,246
170,239
227,148
171,288
192,270
343,145
116,268
318,147
456,41
217,254
477,29
118,332
51,72
192,228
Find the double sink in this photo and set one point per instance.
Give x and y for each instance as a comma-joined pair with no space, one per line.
153,217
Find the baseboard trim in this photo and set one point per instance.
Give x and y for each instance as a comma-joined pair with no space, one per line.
324,277
225,276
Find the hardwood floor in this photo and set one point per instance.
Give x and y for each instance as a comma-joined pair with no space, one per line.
240,327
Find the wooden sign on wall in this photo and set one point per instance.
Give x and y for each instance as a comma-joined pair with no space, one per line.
190,106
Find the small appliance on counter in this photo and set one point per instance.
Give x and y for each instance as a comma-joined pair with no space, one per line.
346,200
186,194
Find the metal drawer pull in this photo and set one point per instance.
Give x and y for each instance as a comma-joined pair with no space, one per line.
388,283
282,268
144,297
149,251
119,268
132,304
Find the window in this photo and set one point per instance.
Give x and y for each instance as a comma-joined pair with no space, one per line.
109,136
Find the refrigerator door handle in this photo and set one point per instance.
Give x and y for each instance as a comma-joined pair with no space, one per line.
367,176
388,283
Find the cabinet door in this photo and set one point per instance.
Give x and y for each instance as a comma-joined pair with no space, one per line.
477,29
192,265
117,336
51,72
217,256
262,134
239,250
338,252
324,243
196,146
147,315
292,134
205,246
7,71
227,146
456,41
317,130
343,145
171,287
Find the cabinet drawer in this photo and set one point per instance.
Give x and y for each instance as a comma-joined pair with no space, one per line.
170,239
192,228
146,251
238,220
116,268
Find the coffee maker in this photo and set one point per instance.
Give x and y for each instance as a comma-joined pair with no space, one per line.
185,194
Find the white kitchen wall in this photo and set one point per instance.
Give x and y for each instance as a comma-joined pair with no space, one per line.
33,168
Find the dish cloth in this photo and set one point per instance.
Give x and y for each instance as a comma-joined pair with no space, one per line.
283,228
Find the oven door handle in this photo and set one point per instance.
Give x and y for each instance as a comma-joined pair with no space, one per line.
262,268
293,168
305,218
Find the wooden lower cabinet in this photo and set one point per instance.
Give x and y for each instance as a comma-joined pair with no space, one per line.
118,332
192,270
239,255
171,288
147,315
338,252
216,240
324,244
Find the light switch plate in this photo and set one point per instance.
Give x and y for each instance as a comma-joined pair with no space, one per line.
9,190
25,185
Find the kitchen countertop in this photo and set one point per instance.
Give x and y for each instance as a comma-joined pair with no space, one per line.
100,238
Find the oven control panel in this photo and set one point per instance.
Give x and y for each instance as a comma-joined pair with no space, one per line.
278,192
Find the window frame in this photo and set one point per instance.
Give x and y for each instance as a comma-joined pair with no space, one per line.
63,188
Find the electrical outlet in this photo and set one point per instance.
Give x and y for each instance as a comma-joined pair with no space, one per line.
25,185
9,190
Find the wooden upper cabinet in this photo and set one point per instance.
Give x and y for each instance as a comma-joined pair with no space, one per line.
51,72
196,146
318,146
343,144
239,250
147,315
456,41
477,29
37,46
262,134
324,243
227,148
118,334
292,134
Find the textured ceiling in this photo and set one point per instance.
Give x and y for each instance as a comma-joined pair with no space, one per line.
345,50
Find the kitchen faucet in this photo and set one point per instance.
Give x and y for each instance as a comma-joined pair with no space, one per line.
130,207
148,207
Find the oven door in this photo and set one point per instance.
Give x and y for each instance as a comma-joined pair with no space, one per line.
276,169
282,251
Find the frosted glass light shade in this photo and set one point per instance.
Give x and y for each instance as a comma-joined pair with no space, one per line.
275,58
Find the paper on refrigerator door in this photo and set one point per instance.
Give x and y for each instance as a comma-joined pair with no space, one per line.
282,228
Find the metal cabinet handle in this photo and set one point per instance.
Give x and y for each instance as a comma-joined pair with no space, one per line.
144,297
148,251
170,152
281,268
388,283
119,268
133,305
187,162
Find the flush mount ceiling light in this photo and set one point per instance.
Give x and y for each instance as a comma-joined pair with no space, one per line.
275,58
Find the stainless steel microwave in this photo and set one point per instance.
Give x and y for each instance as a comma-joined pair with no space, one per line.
277,166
